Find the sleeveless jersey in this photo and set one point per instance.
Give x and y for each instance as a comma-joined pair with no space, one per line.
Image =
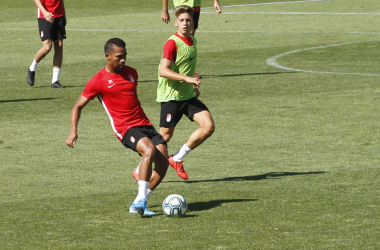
191,3
185,64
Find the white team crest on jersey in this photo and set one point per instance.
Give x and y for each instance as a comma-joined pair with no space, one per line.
131,78
132,139
168,117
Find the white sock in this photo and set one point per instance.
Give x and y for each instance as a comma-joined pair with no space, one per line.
138,168
181,153
33,67
148,192
143,187
55,75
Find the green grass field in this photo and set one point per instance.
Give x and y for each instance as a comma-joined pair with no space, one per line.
293,163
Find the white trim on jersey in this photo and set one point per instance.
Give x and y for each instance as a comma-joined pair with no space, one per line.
38,12
109,115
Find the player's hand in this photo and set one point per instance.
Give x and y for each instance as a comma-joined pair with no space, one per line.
218,10
165,16
49,17
71,139
193,80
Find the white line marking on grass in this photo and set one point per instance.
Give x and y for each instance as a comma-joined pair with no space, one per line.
214,31
254,4
272,60
290,13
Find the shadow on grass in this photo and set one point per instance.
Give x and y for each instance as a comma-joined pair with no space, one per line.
271,175
229,75
28,100
250,74
206,205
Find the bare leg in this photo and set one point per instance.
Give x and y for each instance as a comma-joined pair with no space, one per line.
205,130
161,166
167,133
41,53
58,54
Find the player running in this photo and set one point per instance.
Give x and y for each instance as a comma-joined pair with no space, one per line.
51,22
195,4
177,89
115,87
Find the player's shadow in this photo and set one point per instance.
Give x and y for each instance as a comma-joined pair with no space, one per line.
271,175
27,100
206,205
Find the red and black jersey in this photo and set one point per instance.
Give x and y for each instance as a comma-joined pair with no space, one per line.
117,93
53,6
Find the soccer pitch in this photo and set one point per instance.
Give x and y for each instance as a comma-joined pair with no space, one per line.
293,87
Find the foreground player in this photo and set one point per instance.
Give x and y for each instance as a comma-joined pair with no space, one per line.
178,90
51,22
195,4
115,86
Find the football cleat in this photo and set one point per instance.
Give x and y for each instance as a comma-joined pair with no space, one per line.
178,166
30,77
146,212
135,174
139,207
57,85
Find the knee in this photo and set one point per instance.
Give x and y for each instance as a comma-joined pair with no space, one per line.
46,48
149,152
167,137
210,130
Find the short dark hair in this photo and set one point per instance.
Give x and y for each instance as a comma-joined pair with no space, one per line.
112,43
183,9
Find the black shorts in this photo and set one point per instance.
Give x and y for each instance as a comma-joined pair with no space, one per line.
172,111
196,19
53,31
133,135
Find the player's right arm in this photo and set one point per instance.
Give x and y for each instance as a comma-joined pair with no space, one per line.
165,14
47,15
166,72
75,115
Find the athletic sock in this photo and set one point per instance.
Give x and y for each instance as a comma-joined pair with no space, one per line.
181,153
143,187
138,168
148,192
33,66
55,75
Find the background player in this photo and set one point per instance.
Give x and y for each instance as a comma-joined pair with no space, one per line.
51,22
195,4
115,86
177,89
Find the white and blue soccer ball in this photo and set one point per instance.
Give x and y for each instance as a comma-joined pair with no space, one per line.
174,205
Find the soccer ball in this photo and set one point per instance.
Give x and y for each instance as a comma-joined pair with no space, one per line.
174,206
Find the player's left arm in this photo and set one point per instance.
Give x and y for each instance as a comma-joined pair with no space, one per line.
218,9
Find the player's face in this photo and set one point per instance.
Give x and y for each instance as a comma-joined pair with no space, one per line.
183,23
116,58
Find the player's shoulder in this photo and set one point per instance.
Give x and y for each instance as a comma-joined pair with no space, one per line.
130,70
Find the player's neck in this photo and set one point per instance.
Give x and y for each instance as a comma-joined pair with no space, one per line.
111,70
186,35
